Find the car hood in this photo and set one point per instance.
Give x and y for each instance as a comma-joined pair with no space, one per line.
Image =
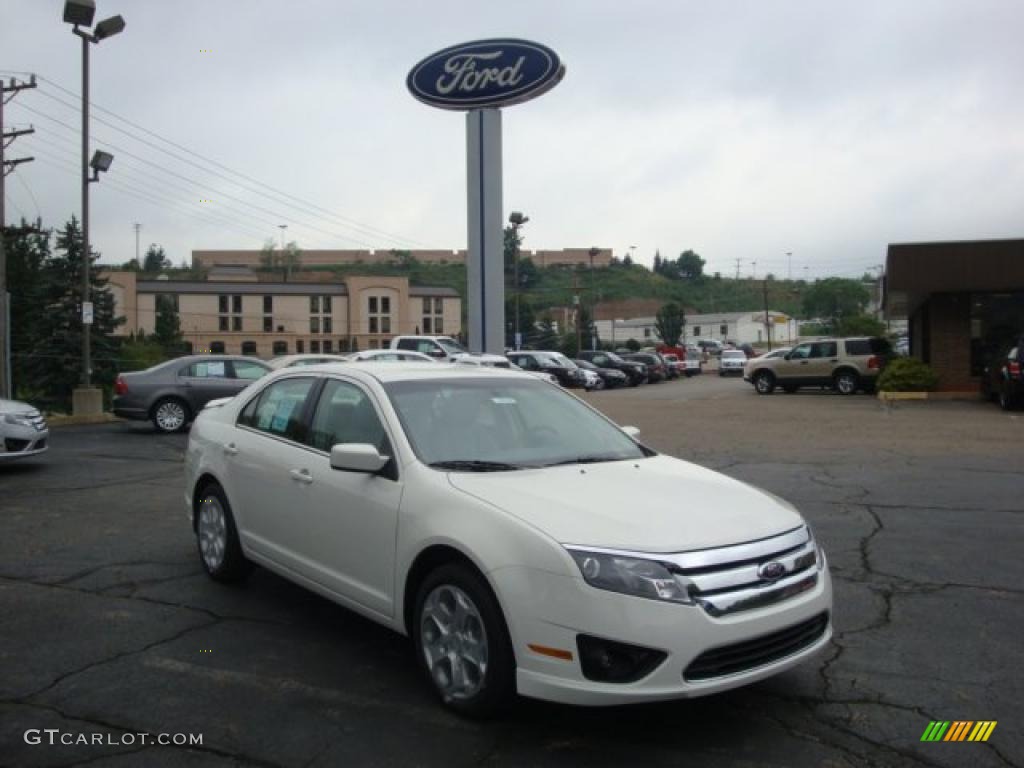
657,504
16,406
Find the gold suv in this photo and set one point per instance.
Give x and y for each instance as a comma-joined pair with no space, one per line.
846,365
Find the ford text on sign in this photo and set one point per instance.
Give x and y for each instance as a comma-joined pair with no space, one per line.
485,73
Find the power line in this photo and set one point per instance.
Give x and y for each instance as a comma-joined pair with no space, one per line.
345,221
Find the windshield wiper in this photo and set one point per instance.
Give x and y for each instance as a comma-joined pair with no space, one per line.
595,459
474,465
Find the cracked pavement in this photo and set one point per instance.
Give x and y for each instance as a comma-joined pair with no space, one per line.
108,625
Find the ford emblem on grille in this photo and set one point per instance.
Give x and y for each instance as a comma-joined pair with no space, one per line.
771,571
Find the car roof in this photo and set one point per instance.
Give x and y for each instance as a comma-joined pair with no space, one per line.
412,371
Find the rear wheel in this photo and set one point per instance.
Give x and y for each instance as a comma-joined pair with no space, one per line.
764,383
170,415
462,643
846,383
1005,401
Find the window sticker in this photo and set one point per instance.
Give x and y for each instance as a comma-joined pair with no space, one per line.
215,369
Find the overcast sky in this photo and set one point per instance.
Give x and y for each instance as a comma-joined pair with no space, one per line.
742,130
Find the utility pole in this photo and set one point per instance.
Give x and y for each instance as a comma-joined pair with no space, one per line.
593,296
767,319
753,269
7,166
789,265
137,227
738,262
576,303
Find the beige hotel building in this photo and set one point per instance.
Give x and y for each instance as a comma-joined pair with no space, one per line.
233,312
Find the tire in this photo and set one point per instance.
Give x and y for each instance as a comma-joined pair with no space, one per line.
170,414
1006,402
764,382
846,383
217,537
599,384
480,634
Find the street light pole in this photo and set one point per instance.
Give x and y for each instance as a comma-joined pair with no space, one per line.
516,219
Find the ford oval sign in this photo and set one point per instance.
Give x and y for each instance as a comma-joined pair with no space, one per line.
485,73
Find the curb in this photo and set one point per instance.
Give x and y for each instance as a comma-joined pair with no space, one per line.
934,396
66,420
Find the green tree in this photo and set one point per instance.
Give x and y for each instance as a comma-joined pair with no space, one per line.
689,266
527,322
568,345
27,255
54,363
547,335
860,325
670,322
132,265
287,259
140,353
835,298
632,345
657,263
167,333
155,259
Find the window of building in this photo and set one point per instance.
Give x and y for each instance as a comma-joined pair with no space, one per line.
996,323
232,318
326,305
647,333
379,314
320,314
314,345
268,305
268,324
249,348
314,305
327,324
314,324
216,347
723,329
300,347
222,304
328,345
432,311
696,330
280,348
236,322
236,305
222,322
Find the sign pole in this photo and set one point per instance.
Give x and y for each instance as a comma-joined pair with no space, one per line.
486,265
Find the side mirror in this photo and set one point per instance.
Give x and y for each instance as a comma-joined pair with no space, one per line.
633,432
357,457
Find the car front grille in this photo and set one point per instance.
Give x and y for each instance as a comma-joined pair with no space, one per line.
743,577
758,652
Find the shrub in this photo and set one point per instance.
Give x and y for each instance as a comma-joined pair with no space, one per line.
907,374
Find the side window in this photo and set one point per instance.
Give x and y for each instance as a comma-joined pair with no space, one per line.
345,414
248,371
856,347
824,349
801,352
599,360
407,343
207,369
278,410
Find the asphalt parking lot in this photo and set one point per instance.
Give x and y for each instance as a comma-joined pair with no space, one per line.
107,624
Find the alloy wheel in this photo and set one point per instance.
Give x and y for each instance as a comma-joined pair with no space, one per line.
213,532
170,416
454,642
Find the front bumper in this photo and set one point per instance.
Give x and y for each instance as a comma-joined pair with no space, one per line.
20,442
550,611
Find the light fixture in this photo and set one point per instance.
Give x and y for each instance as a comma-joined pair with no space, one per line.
517,218
108,28
101,161
79,12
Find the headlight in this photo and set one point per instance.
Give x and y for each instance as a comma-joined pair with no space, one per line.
819,553
629,575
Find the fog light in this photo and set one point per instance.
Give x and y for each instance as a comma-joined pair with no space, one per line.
607,661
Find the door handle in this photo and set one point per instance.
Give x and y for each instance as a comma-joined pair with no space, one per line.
230,450
301,475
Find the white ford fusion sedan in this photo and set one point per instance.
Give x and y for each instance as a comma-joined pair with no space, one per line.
522,540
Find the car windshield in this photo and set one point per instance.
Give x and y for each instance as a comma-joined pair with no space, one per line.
452,347
503,424
614,357
563,361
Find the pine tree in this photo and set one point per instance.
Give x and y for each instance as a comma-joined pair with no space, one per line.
168,326
55,363
27,255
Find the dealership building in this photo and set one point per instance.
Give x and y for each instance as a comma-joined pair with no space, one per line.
737,327
233,312
964,302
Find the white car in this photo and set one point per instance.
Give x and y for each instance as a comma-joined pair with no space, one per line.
23,431
522,540
497,361
294,361
731,361
390,356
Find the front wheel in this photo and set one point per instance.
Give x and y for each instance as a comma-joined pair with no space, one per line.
462,642
217,537
1005,401
846,383
764,383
